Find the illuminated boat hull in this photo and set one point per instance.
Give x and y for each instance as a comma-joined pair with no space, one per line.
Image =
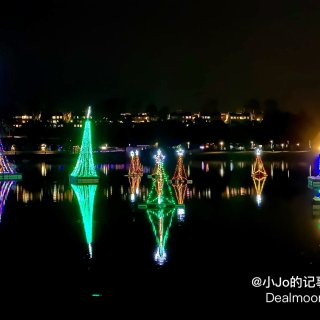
313,182
10,176
84,180
157,206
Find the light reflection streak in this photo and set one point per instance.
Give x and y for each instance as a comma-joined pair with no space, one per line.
5,187
231,192
231,166
58,192
44,169
221,171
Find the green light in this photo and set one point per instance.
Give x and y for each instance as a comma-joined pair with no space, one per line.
85,165
160,206
160,193
161,220
85,195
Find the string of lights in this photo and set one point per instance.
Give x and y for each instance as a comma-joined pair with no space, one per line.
85,165
5,187
160,193
259,176
85,195
5,166
161,220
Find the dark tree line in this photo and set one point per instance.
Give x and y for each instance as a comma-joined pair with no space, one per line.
279,126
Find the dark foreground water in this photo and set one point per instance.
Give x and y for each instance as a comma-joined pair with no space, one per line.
225,237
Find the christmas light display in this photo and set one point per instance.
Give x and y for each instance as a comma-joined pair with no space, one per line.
161,193
259,176
7,170
161,219
258,169
179,180
316,195
258,185
85,194
134,182
180,191
161,205
314,181
181,213
135,174
316,203
5,187
84,171
179,175
135,168
159,158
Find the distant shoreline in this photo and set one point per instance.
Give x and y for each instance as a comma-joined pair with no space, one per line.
122,156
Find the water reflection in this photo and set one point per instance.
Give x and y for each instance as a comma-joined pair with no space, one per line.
181,214
226,167
314,185
60,192
180,191
24,195
179,184
226,200
231,166
44,169
160,204
259,176
161,219
221,171
316,203
231,192
232,185
282,166
56,193
134,182
106,167
85,195
135,174
258,185
5,187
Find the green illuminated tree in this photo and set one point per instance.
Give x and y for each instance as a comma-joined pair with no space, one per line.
161,192
85,165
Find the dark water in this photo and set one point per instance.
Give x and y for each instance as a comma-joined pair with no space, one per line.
225,238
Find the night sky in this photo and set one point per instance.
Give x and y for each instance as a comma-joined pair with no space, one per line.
179,54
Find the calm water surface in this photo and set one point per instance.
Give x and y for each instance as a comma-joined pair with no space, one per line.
53,243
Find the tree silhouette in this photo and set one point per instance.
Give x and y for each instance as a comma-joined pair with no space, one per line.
151,109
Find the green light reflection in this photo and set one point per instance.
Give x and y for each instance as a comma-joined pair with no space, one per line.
85,194
161,220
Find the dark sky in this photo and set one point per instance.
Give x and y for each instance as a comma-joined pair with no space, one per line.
176,53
